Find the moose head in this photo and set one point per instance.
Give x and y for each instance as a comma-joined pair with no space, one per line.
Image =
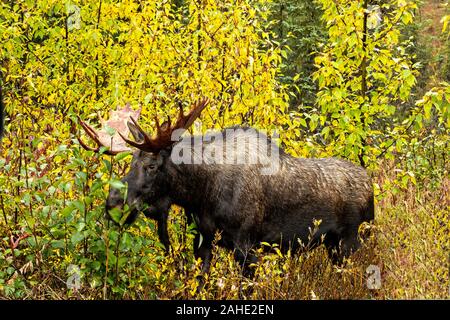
148,176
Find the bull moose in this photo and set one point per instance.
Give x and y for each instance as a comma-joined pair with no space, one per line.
241,202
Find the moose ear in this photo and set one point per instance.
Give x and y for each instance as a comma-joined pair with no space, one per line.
137,135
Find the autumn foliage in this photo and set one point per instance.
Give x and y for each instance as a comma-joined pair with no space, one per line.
61,60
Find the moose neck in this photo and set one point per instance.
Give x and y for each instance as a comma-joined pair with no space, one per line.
187,184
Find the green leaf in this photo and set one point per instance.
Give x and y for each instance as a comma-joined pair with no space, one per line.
117,184
58,244
314,121
107,164
79,205
96,265
67,211
303,122
325,132
123,155
115,214
427,110
77,237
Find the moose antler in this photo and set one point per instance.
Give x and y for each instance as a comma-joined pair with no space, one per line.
117,121
164,132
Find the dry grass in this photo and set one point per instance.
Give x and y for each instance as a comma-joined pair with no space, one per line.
414,242
432,11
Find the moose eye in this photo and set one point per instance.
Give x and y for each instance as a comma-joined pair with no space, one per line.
151,168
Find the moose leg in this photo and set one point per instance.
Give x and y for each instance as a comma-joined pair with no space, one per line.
203,250
244,256
189,221
350,243
160,212
161,217
163,234
341,246
331,242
